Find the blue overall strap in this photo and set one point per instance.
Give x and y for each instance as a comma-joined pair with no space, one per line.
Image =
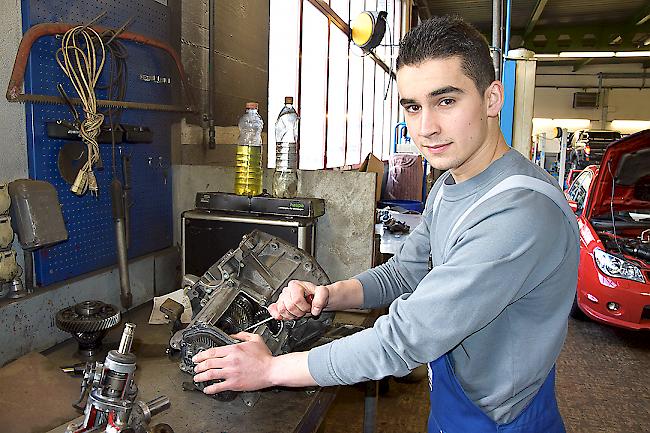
524,182
451,410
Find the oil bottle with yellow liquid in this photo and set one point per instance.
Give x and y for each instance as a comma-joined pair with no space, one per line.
248,165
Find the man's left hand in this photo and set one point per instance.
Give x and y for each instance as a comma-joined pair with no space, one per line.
240,367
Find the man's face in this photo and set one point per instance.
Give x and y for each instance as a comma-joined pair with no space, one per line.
445,113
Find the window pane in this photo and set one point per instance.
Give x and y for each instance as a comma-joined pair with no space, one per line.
312,88
397,24
388,120
355,93
342,106
342,9
378,129
368,108
284,37
337,98
378,140
371,5
355,87
390,103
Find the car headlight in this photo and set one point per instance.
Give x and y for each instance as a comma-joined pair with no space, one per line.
615,267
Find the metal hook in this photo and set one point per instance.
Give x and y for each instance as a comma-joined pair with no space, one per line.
94,20
120,30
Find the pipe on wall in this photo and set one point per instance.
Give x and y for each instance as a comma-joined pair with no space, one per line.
211,138
506,44
496,36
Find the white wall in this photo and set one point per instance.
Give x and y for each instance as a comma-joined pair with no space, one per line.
621,104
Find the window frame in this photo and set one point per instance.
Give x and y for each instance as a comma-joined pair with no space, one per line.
381,130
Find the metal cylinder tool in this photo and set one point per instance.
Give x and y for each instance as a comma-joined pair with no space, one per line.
126,297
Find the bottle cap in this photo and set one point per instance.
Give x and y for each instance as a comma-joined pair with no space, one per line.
251,105
288,100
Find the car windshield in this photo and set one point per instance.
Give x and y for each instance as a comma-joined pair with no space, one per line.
640,215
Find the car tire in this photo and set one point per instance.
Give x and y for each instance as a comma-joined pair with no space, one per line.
576,312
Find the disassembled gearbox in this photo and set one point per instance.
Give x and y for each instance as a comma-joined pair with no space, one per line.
235,292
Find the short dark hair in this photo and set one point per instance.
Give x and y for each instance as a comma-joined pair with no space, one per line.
448,36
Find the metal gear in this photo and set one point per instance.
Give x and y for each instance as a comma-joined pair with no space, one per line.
88,316
238,316
196,342
88,323
274,325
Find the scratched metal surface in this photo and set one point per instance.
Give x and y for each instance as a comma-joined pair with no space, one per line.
286,410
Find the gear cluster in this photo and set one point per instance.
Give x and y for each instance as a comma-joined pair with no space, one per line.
88,316
88,323
238,316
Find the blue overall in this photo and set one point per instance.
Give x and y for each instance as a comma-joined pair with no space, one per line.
453,412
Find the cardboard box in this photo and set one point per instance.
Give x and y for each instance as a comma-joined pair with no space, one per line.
372,164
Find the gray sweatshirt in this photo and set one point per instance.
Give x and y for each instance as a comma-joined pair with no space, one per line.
496,298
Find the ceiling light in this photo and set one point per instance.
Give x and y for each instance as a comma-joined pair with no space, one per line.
630,126
587,54
594,54
643,20
633,54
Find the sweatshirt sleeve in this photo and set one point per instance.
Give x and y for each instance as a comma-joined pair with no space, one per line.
401,273
502,251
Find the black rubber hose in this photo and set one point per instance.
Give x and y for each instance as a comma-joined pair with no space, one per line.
29,271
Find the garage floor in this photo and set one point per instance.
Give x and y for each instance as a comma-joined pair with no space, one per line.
603,386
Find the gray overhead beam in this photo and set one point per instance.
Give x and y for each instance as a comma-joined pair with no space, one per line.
641,17
534,17
579,65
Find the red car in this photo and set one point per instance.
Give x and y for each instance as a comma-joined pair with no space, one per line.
612,204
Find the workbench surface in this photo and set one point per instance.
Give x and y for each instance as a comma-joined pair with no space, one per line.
278,410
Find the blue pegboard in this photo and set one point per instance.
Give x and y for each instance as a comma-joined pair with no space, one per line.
91,243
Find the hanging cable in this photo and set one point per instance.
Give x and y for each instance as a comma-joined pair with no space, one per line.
116,87
390,63
78,58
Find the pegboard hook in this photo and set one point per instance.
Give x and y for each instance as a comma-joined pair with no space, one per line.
94,20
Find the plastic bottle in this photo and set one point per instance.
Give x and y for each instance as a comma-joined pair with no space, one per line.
285,177
248,166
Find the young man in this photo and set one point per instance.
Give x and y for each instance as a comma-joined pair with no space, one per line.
480,291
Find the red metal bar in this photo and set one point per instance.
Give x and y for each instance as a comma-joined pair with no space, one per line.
14,90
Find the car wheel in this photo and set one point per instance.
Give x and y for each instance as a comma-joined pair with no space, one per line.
576,312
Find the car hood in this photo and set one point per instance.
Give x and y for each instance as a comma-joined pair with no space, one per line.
628,162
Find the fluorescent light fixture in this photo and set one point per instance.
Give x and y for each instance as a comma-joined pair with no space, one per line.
633,54
587,54
630,126
594,54
643,20
544,124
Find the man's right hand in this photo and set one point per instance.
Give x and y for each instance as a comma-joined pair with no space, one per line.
293,304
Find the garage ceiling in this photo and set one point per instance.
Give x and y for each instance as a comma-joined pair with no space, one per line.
553,26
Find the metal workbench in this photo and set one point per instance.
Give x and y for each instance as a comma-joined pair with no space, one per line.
285,410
